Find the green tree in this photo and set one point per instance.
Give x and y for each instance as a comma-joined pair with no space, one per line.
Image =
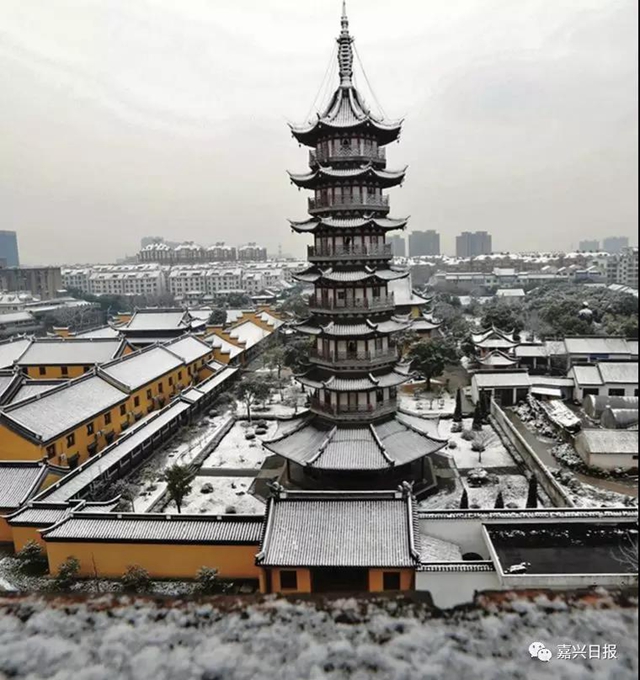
178,479
464,500
430,357
67,573
136,579
478,417
457,414
218,317
251,391
32,558
532,493
296,305
296,353
275,359
499,500
504,316
207,582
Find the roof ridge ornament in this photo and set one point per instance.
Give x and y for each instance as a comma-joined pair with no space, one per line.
345,51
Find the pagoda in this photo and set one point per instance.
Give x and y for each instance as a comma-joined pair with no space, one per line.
353,435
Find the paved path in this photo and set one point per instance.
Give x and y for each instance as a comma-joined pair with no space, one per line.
609,485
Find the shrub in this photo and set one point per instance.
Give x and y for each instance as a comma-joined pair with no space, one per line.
67,574
136,579
32,558
452,444
207,581
464,500
231,510
468,435
478,445
477,477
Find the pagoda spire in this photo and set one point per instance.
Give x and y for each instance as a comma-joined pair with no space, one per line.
345,51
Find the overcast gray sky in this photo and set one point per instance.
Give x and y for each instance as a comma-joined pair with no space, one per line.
126,118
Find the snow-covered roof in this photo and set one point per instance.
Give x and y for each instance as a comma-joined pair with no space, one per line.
270,319
51,414
597,345
97,333
223,345
510,293
18,480
189,348
159,528
11,350
141,367
606,372
501,378
537,350
318,444
157,320
214,381
497,358
29,388
70,351
249,333
434,549
350,529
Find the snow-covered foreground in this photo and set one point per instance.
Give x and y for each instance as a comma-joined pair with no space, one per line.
219,495
235,451
445,404
494,455
351,639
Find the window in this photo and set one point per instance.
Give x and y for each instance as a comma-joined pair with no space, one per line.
123,409
90,428
149,394
51,451
71,439
107,418
86,369
170,381
42,370
64,370
616,392
136,401
179,375
289,579
160,388
391,580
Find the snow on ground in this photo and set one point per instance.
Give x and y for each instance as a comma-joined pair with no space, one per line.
340,640
182,449
588,496
220,495
494,455
235,451
442,404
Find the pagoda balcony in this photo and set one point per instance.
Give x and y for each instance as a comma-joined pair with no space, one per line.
346,413
345,359
358,252
377,157
370,203
381,303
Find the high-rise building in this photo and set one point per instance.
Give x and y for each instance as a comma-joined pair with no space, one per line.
353,436
589,246
9,249
472,244
398,245
424,243
42,282
615,244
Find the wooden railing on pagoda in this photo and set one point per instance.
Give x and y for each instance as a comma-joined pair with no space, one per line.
357,358
356,252
353,413
380,203
380,303
366,154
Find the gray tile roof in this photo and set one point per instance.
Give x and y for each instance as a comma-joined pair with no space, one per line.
153,528
215,380
157,320
142,367
339,530
609,441
501,378
17,481
587,375
623,372
51,414
71,351
597,345
189,348
316,443
29,388
10,350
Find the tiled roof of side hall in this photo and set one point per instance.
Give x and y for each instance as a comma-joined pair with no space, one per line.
189,348
70,351
156,528
365,530
50,414
142,367
11,350
18,479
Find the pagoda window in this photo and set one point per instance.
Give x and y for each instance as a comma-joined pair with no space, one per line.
346,143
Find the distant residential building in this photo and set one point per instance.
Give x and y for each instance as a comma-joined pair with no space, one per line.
42,282
622,269
398,246
589,246
149,282
252,252
615,244
9,249
424,243
472,244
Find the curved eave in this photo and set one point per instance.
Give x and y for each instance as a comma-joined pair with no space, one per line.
323,176
309,135
315,223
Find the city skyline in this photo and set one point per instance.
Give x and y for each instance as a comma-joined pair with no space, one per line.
174,124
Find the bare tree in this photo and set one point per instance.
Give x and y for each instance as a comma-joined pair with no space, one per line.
626,553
